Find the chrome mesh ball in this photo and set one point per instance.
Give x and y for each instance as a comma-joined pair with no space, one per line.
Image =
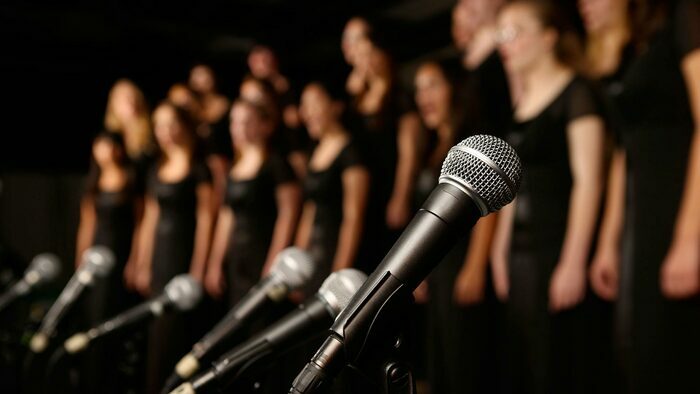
487,168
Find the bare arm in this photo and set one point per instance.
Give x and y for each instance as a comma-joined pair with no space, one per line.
500,247
306,223
288,198
355,189
680,275
218,166
604,269
214,278
585,138
470,283
147,232
398,209
86,228
202,235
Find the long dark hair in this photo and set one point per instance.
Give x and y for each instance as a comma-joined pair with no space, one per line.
568,49
647,17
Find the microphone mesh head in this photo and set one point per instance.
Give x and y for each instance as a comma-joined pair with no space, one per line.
46,266
294,266
98,260
340,287
183,291
487,167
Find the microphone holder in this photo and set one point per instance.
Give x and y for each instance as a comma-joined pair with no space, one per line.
383,361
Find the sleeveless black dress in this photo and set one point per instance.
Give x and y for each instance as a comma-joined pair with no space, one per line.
255,209
548,353
171,336
660,336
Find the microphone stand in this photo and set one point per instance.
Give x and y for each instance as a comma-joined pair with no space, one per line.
384,360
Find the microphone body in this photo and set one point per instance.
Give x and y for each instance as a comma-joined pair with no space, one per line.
97,262
446,215
43,268
311,317
292,269
182,293
480,175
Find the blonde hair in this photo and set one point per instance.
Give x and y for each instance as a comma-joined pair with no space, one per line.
138,139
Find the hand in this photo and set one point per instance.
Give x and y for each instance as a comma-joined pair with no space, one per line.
142,281
604,273
421,294
680,271
214,282
469,287
567,286
499,271
397,214
129,275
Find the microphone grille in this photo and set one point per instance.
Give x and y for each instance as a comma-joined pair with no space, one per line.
183,291
486,168
295,266
46,265
98,260
340,287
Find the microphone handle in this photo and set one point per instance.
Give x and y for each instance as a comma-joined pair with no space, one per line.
312,318
65,300
154,307
18,289
246,309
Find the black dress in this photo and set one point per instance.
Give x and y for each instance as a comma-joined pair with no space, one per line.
660,336
171,336
376,136
548,353
325,189
106,361
255,208
463,341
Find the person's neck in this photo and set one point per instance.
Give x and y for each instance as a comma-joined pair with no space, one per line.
253,150
177,154
606,44
445,131
110,168
333,132
540,74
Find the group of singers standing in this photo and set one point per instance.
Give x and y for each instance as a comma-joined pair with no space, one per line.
587,283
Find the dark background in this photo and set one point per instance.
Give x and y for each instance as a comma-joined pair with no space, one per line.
61,57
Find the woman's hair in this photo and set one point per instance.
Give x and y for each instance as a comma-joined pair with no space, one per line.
646,18
568,49
142,126
122,160
451,71
189,126
271,97
260,110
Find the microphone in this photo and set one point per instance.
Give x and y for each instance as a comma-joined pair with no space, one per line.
311,318
181,293
97,261
292,269
43,268
480,175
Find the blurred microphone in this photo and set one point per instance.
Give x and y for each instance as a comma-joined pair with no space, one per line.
480,175
97,261
292,269
311,318
181,293
43,268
